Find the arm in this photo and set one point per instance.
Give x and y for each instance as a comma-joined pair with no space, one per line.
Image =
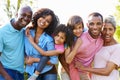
71,55
62,60
44,53
30,60
4,73
100,71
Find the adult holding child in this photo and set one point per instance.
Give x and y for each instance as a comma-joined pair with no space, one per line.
44,22
107,60
91,43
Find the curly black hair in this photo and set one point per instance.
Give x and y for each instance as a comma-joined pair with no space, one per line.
42,13
68,34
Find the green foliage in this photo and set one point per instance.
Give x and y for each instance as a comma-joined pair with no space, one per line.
11,8
117,34
117,15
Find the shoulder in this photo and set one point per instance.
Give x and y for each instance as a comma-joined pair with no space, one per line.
117,46
5,28
47,37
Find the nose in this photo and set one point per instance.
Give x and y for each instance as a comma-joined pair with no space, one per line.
43,20
95,26
107,31
26,18
78,30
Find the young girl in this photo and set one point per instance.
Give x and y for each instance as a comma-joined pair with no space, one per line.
75,23
63,38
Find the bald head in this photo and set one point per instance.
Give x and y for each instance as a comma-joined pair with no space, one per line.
23,17
25,8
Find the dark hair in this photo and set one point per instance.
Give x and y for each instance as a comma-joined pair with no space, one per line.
96,14
73,20
44,12
68,34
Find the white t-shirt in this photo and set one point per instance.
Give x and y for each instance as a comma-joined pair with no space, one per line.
107,53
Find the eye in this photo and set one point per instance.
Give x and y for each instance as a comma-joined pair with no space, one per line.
99,23
91,24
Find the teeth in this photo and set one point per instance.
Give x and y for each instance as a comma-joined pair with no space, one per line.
24,22
41,23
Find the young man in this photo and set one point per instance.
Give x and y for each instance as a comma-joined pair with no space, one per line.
12,45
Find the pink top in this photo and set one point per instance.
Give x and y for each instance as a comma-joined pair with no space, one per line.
85,53
60,47
107,53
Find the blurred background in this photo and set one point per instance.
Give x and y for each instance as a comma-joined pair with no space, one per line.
64,9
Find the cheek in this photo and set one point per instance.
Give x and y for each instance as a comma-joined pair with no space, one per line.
73,31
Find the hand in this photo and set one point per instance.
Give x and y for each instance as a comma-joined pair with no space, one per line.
29,60
79,65
30,38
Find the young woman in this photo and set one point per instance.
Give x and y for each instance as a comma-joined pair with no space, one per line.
63,38
44,22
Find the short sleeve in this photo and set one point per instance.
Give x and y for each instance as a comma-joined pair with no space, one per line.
115,56
1,41
50,46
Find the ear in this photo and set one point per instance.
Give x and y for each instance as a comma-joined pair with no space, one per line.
87,25
16,15
103,24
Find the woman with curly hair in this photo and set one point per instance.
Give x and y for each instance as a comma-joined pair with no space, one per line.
44,22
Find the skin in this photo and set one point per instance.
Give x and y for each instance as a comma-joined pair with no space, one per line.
94,30
23,18
108,32
94,26
77,31
59,39
42,23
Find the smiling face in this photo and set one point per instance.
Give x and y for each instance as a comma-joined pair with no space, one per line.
23,17
60,38
108,32
78,29
44,22
95,25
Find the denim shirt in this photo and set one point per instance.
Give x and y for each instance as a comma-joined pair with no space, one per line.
46,43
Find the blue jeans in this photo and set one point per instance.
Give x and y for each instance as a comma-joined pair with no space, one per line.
47,77
16,75
42,63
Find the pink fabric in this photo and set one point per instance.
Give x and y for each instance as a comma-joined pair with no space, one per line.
74,74
85,53
60,47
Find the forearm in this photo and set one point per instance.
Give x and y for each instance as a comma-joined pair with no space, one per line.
38,59
41,51
4,73
46,53
69,58
72,54
98,71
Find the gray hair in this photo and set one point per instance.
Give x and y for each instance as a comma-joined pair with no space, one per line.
110,19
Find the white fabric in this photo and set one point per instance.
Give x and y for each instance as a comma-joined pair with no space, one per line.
107,53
